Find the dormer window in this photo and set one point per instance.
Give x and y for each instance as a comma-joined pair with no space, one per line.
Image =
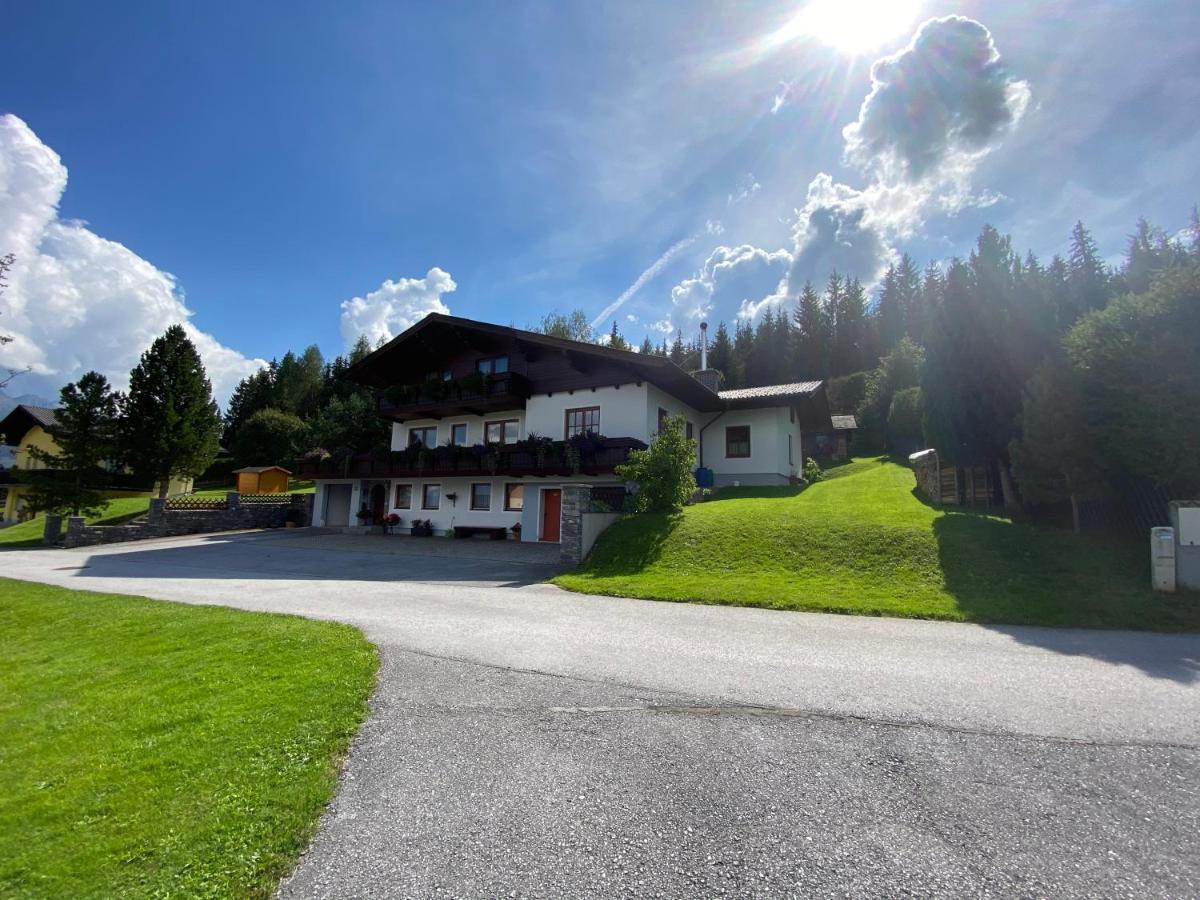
494,365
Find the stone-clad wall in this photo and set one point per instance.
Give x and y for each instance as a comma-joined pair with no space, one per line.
163,522
580,526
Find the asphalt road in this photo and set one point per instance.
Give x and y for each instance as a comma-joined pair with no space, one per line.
529,742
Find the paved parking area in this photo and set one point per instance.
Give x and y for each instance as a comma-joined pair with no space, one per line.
528,742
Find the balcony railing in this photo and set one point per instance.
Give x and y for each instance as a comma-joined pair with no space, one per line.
598,456
475,394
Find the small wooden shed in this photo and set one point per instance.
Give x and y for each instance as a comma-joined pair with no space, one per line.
262,480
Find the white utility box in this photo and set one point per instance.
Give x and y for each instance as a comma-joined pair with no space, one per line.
1162,559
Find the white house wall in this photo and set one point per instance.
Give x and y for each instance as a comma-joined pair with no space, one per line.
622,411
768,460
476,426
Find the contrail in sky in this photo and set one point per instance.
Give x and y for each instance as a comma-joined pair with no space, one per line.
655,267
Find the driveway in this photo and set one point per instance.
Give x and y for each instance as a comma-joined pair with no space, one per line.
530,742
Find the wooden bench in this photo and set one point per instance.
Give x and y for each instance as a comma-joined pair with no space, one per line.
495,533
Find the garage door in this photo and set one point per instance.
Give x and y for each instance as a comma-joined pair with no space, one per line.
337,504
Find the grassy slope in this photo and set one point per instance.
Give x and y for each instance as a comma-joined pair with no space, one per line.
150,748
29,534
862,542
120,509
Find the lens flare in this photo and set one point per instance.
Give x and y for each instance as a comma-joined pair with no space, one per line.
851,26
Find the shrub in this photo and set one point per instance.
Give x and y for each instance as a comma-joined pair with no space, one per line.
663,473
904,420
812,471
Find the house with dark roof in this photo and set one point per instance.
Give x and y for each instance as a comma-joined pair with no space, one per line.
489,422
835,443
24,430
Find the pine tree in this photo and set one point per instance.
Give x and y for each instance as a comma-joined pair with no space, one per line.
647,346
85,435
677,352
743,349
811,352
720,354
169,421
615,340
1089,278
908,287
891,312
850,329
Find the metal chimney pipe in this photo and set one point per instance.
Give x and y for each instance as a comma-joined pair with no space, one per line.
703,346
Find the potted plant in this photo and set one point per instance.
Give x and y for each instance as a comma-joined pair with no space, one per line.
421,528
391,522
363,514
516,531
292,518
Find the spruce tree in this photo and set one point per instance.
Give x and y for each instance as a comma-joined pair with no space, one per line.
1089,278
85,434
647,346
908,287
169,421
811,336
720,354
891,312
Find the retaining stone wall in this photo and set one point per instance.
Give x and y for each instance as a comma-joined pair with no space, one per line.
163,522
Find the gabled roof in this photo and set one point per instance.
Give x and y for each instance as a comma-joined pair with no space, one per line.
21,418
844,423
258,470
421,348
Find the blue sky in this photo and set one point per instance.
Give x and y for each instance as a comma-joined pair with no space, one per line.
280,160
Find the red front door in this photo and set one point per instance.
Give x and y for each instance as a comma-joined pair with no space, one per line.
551,514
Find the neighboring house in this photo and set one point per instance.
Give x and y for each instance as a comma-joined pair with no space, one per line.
465,397
24,429
835,443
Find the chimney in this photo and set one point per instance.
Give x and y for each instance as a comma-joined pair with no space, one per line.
710,378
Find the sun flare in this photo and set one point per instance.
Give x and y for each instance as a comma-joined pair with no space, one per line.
851,26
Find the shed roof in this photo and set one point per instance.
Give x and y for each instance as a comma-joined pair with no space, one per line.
844,423
257,470
773,391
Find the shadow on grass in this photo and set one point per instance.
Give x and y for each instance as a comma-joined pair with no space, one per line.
1048,580
631,545
762,491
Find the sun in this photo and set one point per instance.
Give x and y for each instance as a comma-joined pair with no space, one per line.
851,26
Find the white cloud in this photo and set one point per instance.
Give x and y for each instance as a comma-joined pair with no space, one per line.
395,306
729,278
747,187
75,300
935,109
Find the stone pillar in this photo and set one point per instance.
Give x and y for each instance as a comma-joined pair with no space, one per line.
51,530
74,531
576,500
233,500
158,511
304,502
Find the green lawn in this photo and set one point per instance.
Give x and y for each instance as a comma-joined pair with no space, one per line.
863,542
156,749
120,509
29,534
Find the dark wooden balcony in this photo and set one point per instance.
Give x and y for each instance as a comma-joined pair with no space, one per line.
471,395
599,456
